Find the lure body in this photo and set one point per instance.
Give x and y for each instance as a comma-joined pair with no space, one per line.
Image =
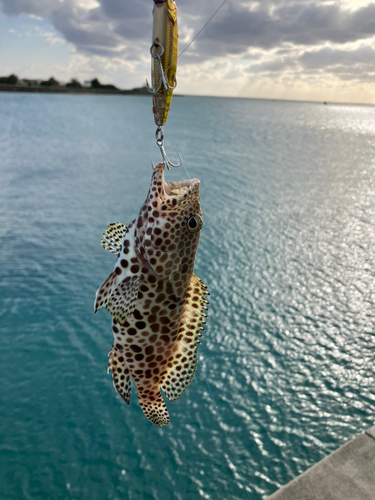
164,44
157,304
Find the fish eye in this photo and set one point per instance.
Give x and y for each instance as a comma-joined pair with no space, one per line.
195,223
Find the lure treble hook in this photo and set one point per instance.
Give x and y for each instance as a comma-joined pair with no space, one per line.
159,136
163,80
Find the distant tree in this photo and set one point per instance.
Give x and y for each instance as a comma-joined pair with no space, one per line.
140,90
108,86
12,79
75,84
50,83
95,84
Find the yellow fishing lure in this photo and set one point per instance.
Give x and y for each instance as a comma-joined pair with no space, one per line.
164,52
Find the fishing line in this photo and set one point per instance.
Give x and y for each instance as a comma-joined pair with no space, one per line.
182,163
183,166
199,32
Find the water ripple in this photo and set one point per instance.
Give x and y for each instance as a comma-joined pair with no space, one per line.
286,367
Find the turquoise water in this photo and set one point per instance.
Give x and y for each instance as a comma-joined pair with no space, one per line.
286,366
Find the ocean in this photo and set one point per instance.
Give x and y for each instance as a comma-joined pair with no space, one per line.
286,366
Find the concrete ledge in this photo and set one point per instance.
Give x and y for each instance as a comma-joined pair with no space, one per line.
346,474
371,432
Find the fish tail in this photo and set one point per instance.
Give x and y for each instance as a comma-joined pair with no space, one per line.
154,408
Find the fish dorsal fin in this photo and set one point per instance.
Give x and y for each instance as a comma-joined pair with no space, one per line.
113,237
185,350
104,292
120,374
122,302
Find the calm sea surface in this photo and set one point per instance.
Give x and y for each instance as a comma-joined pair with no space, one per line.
286,366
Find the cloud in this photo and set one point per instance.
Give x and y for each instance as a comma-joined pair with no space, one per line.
84,32
297,24
330,57
51,38
259,37
276,65
39,8
238,26
357,64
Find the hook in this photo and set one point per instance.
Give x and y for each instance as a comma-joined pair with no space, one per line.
159,135
163,78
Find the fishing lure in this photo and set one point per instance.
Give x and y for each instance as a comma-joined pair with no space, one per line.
158,305
164,53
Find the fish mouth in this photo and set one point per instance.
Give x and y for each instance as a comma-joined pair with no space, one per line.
178,190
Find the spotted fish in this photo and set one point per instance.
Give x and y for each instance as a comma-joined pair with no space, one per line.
158,305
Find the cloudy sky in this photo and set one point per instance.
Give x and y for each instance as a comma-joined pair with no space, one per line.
286,49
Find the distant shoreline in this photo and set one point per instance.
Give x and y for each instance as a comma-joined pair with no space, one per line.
71,90
142,91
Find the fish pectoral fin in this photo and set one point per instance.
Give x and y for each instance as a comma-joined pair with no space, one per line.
184,361
120,374
113,237
104,292
121,303
154,408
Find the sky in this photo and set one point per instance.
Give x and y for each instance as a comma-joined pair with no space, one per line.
318,50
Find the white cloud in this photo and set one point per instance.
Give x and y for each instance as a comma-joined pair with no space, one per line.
51,38
88,4
33,16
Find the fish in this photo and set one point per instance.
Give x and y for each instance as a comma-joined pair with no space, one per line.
164,67
158,305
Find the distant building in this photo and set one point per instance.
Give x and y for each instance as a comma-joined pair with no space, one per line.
28,82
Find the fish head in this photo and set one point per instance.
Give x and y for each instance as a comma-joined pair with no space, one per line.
168,228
